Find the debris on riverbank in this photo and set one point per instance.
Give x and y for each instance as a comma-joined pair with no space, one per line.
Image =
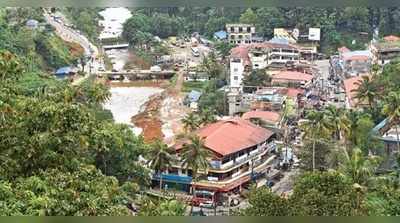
126,102
149,119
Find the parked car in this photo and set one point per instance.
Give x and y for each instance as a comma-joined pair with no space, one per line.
207,204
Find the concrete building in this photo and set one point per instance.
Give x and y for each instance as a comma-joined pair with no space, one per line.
387,133
240,33
264,99
355,63
244,58
290,35
268,119
292,79
240,150
385,50
220,35
350,86
239,65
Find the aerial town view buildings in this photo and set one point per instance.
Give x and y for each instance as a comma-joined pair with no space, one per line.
199,111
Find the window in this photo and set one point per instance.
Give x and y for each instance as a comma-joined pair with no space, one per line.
248,29
240,29
232,29
235,70
235,78
240,36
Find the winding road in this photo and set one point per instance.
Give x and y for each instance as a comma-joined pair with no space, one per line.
71,35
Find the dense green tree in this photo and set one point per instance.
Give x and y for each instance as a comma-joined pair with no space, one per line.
212,98
191,122
366,91
51,138
52,192
116,152
162,208
360,168
211,66
207,116
172,208
257,78
160,158
392,110
314,194
326,155
263,202
194,157
215,24
224,48
316,128
268,19
84,19
325,194
248,17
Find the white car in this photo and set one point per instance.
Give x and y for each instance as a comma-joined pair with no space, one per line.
155,69
207,204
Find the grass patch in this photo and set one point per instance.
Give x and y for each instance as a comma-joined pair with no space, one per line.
193,85
31,82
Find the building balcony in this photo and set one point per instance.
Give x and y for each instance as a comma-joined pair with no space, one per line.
217,165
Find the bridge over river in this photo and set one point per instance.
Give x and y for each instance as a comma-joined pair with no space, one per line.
138,74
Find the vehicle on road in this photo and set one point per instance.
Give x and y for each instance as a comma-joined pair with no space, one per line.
172,40
155,69
195,52
207,204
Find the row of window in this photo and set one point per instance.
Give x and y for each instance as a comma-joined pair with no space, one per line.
239,36
247,29
240,41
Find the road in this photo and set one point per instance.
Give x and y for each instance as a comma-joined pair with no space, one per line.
71,35
330,88
185,53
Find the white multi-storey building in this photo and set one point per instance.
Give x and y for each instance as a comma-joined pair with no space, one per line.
244,58
239,65
240,33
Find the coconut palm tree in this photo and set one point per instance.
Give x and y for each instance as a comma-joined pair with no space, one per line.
339,121
160,158
207,116
191,122
194,157
391,108
367,90
340,125
316,128
359,168
211,66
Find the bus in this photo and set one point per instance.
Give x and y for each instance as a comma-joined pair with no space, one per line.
195,52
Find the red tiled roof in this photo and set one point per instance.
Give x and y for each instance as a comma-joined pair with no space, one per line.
268,116
350,85
230,136
293,92
391,38
343,49
241,52
357,57
292,75
273,45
